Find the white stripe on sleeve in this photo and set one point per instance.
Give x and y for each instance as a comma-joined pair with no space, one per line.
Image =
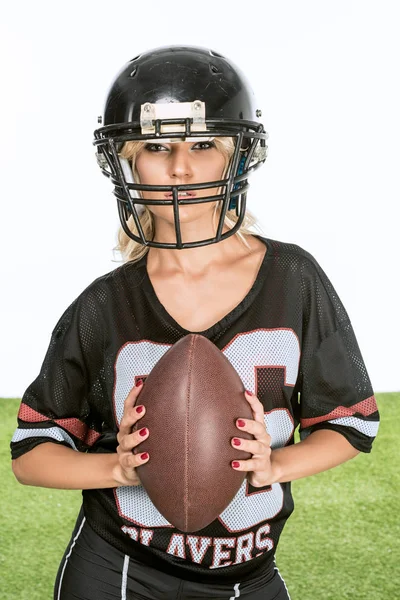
52,432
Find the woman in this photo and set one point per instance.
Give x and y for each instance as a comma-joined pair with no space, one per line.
179,138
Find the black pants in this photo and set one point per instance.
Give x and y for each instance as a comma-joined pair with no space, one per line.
92,569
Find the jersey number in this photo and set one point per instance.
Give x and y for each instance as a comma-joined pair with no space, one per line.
277,348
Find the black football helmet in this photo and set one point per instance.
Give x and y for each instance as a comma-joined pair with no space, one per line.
180,93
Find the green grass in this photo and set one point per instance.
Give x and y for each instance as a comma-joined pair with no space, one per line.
342,541
35,525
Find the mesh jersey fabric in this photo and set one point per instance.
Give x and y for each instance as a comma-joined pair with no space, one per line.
290,340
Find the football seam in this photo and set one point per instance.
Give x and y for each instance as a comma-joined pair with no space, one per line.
190,366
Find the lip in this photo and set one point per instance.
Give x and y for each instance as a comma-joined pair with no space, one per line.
186,195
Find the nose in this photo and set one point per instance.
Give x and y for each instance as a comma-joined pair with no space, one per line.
180,163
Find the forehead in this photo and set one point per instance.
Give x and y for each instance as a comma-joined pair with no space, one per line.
188,141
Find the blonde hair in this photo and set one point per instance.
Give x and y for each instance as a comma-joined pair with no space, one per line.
133,251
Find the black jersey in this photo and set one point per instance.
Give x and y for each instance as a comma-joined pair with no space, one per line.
291,342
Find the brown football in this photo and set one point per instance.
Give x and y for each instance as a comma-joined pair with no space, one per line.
193,397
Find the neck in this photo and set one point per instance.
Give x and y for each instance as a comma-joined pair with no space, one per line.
197,261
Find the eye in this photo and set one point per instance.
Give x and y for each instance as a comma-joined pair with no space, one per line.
155,148
203,146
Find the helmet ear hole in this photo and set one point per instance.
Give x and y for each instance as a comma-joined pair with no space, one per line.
127,171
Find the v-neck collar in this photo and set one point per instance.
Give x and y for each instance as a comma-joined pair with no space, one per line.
221,323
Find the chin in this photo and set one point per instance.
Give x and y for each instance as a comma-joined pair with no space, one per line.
187,214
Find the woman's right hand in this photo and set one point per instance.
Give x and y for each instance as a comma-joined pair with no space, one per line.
125,471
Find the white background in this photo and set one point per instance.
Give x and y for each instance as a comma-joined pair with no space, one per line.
326,75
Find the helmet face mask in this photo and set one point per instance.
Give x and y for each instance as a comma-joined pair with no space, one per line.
210,102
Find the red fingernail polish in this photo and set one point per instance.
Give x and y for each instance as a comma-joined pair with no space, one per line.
139,409
249,392
143,431
139,382
241,423
235,464
144,456
236,442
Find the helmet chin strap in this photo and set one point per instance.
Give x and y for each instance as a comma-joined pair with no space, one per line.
127,171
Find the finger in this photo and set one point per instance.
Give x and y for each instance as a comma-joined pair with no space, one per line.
130,441
131,398
256,406
255,447
130,416
126,425
255,427
130,461
135,460
252,464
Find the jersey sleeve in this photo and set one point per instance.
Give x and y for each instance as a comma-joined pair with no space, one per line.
56,406
335,389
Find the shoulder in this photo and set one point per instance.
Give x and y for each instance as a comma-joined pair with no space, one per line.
294,263
112,282
289,253
91,305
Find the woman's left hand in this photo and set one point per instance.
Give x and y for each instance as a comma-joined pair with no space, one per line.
258,468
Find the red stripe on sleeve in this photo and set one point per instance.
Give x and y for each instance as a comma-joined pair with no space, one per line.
365,407
72,425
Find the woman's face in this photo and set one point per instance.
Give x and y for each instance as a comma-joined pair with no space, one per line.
180,163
